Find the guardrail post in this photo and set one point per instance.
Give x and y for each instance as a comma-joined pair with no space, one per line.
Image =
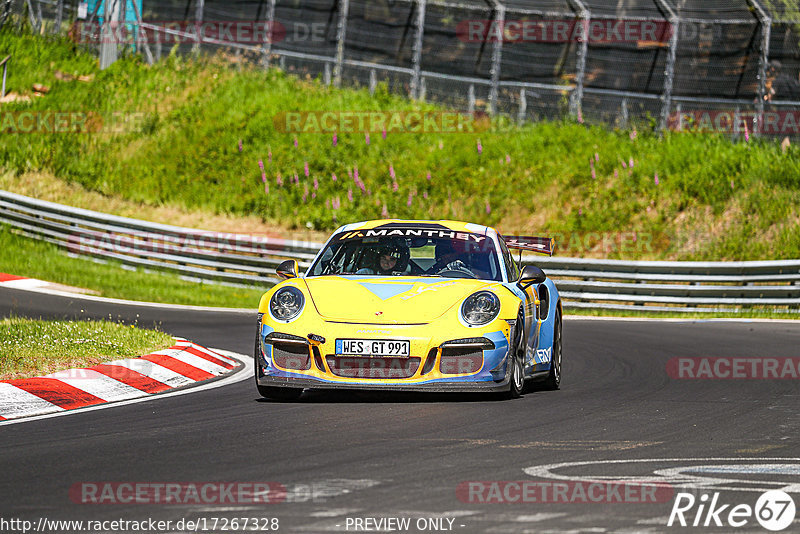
416,52
523,106
766,32
326,74
497,54
373,81
341,33
576,99
624,113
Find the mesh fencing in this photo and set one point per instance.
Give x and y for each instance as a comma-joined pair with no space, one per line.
660,63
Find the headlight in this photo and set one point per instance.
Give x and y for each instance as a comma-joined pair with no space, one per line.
286,303
480,308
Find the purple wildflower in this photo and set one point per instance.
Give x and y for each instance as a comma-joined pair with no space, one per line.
425,195
429,176
383,133
630,163
488,208
746,133
655,179
264,177
394,187
240,145
633,133
410,197
350,194
261,165
335,139
391,171
441,145
480,147
597,157
316,184
279,179
384,211
366,138
266,188
333,176
305,168
295,142
508,159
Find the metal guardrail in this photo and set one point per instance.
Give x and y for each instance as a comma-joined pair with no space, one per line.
251,259
195,254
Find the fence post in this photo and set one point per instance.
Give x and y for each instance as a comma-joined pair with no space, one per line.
523,106
341,32
108,44
373,81
471,98
271,33
766,33
416,51
59,16
198,22
497,54
576,100
669,72
139,22
624,113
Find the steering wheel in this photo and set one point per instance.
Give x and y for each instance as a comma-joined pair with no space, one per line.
456,273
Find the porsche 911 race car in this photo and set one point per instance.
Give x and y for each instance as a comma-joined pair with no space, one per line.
414,306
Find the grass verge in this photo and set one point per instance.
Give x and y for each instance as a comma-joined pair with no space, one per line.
36,259
34,347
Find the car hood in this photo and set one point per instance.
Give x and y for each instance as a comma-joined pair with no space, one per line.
388,300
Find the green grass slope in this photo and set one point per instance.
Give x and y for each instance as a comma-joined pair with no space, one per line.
684,196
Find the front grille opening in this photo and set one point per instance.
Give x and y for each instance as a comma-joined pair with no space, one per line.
291,356
430,361
318,359
460,360
378,368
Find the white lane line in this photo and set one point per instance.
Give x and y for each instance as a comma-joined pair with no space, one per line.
97,384
156,372
16,402
244,373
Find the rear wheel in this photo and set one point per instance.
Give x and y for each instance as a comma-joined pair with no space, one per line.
553,380
272,392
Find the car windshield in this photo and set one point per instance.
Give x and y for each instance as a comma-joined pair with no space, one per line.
409,252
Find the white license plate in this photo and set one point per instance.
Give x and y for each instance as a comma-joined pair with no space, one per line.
374,347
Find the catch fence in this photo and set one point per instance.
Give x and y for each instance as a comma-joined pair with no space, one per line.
722,65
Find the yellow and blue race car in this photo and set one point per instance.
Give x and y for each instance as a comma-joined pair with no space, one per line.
414,306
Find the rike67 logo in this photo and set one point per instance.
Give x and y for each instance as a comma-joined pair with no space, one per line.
774,510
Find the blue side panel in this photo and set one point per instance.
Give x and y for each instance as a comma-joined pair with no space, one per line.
544,350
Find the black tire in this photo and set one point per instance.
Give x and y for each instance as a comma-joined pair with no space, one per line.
553,380
272,392
516,382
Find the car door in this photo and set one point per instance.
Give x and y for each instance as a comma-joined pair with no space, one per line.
531,300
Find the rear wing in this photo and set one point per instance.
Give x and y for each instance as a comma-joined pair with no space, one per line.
541,245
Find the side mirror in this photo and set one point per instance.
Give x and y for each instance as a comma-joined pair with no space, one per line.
531,274
287,269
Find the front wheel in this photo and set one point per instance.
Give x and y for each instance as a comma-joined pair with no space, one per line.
516,382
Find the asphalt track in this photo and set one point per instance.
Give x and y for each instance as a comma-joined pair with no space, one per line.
356,455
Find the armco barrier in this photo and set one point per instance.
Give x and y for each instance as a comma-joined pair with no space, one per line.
251,259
